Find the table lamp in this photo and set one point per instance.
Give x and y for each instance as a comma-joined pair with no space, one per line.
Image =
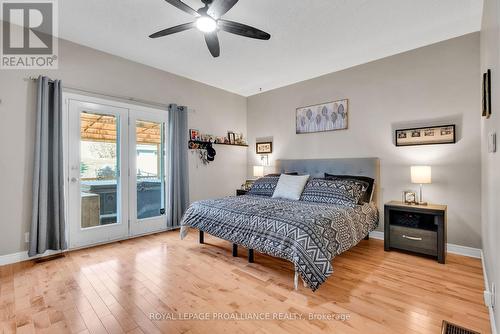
421,175
258,171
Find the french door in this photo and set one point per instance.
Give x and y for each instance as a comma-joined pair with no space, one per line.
115,170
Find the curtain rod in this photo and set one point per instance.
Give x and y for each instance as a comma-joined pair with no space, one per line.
125,98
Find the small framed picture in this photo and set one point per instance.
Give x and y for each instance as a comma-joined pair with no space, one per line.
231,137
409,197
264,148
194,134
248,184
426,136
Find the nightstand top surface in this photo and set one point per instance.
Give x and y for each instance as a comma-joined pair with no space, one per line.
424,207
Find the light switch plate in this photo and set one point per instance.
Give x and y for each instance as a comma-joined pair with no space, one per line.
492,142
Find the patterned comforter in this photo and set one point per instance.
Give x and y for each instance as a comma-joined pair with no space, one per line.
308,234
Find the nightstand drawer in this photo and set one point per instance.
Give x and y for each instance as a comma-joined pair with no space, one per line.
412,239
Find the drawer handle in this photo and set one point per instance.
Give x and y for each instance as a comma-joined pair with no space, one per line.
411,238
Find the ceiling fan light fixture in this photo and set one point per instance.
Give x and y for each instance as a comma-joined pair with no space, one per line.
209,21
206,24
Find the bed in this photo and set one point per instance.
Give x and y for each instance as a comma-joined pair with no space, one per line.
308,234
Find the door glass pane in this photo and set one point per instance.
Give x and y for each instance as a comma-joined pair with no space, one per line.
150,169
99,169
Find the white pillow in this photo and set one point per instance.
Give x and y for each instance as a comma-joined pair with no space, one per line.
290,186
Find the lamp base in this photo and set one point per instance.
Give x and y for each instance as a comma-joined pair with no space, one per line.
421,197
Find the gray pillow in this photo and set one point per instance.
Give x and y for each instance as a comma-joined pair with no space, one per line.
341,192
264,186
367,196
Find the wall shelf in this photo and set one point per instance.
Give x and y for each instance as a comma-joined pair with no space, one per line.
204,143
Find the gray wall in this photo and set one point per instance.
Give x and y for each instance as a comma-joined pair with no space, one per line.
215,112
434,84
490,58
437,84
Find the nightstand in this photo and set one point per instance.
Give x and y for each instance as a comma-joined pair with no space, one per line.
240,192
416,228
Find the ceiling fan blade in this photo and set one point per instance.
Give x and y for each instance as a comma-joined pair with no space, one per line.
182,6
213,43
173,30
220,7
242,30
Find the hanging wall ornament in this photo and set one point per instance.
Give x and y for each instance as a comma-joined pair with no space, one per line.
210,152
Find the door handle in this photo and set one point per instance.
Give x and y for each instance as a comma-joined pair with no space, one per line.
74,180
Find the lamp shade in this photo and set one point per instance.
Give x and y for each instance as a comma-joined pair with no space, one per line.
258,171
421,174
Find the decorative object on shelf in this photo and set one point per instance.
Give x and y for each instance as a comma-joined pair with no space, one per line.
210,152
264,148
258,171
196,145
208,138
329,116
421,175
194,134
409,197
197,139
204,143
231,137
426,136
205,150
487,94
240,140
201,145
203,156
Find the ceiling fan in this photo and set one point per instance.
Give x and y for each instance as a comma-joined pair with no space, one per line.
208,21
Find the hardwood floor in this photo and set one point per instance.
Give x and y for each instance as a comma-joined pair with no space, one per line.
114,288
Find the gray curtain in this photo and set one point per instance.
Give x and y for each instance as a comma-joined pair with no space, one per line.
47,224
178,176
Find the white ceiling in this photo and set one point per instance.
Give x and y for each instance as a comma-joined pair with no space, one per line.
309,37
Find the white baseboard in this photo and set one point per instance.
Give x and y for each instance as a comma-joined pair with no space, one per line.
377,235
450,248
464,250
23,256
487,287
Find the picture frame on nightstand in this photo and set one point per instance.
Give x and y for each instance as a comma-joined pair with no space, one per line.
409,197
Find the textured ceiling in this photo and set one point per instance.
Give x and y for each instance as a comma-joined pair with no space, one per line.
309,37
